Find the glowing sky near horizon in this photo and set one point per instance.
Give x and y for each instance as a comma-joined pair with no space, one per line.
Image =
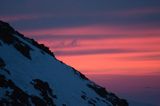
95,37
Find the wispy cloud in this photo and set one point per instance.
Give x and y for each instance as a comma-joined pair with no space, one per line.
65,44
145,57
96,30
111,13
17,18
97,51
136,12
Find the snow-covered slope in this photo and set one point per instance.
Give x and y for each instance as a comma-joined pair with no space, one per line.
31,75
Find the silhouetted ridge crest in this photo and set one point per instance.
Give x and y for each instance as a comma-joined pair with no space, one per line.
6,32
6,35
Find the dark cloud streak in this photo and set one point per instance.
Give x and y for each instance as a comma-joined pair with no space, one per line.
97,51
67,6
89,37
144,57
67,13
71,20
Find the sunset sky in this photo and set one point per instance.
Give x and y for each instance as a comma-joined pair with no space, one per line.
116,43
94,36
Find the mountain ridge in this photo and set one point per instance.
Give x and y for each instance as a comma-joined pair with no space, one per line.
30,75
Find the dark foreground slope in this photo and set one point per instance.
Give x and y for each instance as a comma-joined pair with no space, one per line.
31,75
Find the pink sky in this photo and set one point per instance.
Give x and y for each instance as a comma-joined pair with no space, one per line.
128,50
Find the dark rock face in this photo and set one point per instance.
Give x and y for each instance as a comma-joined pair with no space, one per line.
99,90
38,101
91,101
15,96
40,46
46,49
45,91
2,66
83,97
6,32
108,96
2,63
79,74
23,49
122,102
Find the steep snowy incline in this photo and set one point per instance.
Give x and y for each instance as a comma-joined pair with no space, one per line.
30,75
